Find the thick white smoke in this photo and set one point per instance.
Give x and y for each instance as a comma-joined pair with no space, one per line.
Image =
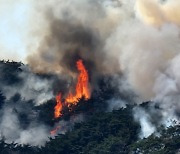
11,131
147,128
147,47
33,87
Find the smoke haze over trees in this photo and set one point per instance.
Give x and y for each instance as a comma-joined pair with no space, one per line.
130,53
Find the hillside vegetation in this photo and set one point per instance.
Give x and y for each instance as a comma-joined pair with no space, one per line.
103,132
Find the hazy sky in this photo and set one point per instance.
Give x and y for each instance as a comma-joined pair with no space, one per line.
18,28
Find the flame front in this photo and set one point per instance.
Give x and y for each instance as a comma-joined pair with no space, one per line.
58,107
82,90
82,86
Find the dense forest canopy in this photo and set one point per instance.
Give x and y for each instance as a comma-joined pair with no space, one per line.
102,132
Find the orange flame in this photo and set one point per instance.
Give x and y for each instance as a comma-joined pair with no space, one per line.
82,90
82,86
58,107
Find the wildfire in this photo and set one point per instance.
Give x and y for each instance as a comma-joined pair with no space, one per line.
58,107
82,86
53,132
82,90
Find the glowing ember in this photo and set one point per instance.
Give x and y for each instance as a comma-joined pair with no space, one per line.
58,107
82,90
53,132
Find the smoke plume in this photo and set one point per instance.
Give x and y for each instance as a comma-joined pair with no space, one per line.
137,39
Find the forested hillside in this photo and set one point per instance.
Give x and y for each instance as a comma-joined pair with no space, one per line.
102,132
